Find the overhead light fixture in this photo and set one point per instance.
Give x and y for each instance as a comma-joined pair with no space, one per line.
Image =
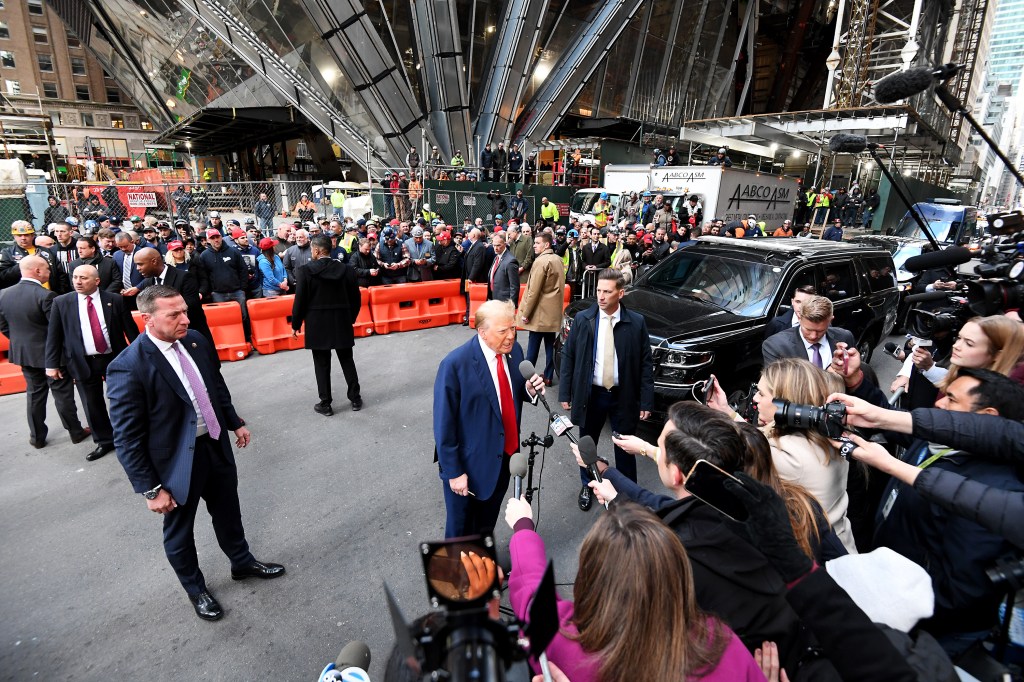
171,103
491,29
796,153
773,146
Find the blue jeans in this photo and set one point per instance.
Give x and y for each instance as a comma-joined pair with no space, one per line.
866,218
267,226
533,351
238,296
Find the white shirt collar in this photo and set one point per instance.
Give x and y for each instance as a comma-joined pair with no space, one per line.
163,273
164,346
29,279
616,316
95,296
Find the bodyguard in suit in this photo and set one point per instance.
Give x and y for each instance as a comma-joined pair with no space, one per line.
327,300
607,373
155,270
124,264
813,339
790,318
475,263
89,254
25,319
172,412
478,401
503,276
88,329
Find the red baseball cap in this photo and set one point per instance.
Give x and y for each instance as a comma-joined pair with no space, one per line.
267,243
237,232
175,245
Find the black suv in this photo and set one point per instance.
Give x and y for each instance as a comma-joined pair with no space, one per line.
707,304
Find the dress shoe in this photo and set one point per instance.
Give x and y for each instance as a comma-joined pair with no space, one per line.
86,432
98,452
586,498
465,322
547,382
206,606
37,444
357,404
257,569
324,409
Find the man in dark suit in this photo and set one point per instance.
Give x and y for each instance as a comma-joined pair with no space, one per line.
813,339
478,400
503,275
178,451
475,264
89,254
790,318
124,264
88,329
327,300
155,270
596,255
25,319
607,373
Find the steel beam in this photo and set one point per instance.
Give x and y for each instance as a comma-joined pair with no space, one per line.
441,70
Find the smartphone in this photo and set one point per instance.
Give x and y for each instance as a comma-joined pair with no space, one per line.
706,482
709,388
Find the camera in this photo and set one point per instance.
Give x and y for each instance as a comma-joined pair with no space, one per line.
927,324
1008,571
829,420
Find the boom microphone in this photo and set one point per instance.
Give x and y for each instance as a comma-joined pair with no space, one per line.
927,296
350,666
904,84
527,369
957,255
518,466
842,143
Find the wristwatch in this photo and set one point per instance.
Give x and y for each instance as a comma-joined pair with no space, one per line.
151,494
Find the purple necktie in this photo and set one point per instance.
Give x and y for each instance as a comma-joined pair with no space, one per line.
817,355
199,391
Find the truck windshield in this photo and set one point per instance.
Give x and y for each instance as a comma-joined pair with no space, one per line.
583,202
944,230
740,287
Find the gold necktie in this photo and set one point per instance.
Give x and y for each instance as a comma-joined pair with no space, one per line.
608,361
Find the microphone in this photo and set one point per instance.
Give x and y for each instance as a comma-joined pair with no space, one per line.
892,349
588,452
904,84
561,425
527,369
350,666
843,143
517,466
928,296
957,255
896,395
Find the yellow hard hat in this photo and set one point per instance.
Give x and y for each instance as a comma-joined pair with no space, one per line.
22,227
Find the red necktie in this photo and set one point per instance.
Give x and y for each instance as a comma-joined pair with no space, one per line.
97,330
508,409
494,269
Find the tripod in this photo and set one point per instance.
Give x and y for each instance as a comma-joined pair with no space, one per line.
533,442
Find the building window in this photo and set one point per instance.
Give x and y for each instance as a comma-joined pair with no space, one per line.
7,59
13,87
35,7
40,36
56,119
78,66
45,62
5,31
113,95
87,121
82,93
50,91
116,121
146,125
73,40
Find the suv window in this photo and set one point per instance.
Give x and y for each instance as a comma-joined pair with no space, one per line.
803,278
879,273
741,287
838,281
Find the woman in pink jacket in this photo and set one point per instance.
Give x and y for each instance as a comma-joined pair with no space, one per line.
635,616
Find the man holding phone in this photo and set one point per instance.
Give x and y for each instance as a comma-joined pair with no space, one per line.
814,339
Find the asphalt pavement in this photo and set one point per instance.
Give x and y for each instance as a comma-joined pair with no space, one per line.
343,502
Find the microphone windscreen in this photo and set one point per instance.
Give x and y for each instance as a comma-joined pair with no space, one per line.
843,142
518,465
588,450
890,347
903,84
956,255
527,369
354,655
927,296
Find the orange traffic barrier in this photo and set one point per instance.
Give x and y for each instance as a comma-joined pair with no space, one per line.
11,379
271,322
225,320
363,326
407,307
137,316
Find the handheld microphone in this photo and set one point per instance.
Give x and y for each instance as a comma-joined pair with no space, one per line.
588,453
896,395
843,143
350,666
561,425
527,369
957,255
892,349
518,466
904,84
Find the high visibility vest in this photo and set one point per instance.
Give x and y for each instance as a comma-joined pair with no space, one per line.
811,196
338,199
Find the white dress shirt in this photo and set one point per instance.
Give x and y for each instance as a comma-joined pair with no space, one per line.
83,317
824,349
602,321
166,347
159,279
492,368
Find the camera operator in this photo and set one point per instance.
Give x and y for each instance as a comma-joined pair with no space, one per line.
954,550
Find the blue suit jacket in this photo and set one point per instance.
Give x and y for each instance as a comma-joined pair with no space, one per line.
136,276
153,419
467,416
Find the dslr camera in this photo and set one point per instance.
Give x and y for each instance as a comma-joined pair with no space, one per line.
829,420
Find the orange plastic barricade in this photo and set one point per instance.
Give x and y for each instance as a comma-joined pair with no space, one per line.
454,299
271,322
477,295
11,379
225,320
137,316
407,307
363,326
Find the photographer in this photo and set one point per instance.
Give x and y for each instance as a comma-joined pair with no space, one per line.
954,550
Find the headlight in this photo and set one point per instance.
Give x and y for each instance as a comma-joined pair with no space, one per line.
681,359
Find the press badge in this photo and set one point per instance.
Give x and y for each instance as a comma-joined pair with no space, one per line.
890,502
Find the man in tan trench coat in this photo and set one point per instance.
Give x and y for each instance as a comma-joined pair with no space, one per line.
543,301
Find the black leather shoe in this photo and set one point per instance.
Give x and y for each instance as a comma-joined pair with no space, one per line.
357,404
324,409
465,322
37,444
98,452
586,498
257,569
206,606
86,432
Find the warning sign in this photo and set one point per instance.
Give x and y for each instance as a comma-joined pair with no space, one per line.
141,200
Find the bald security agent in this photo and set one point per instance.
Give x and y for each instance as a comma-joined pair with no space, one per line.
24,319
155,270
184,453
89,327
327,300
478,401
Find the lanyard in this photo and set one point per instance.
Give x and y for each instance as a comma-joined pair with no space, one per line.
934,458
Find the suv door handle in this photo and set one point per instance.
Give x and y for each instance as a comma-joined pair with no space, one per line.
858,310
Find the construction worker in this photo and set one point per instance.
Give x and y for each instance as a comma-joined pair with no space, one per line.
24,245
338,203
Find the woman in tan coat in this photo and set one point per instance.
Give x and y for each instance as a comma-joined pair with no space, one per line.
543,301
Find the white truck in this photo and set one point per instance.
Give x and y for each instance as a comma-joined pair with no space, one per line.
726,193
